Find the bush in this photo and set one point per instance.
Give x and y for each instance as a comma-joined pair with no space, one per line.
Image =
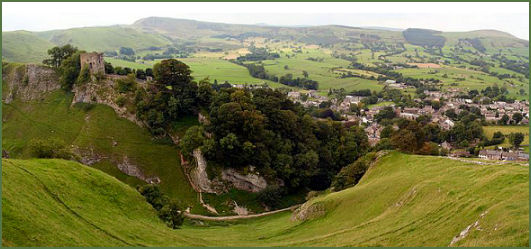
127,85
172,215
84,75
50,148
120,101
352,173
272,196
168,210
84,106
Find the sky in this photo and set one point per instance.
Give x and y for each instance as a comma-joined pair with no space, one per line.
444,16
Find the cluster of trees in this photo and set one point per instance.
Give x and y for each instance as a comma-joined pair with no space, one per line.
513,65
258,54
421,137
263,128
299,82
173,95
258,71
506,120
388,94
168,210
50,148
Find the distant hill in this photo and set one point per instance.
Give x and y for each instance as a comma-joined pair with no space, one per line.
25,46
403,200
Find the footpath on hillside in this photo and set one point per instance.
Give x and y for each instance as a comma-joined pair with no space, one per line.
237,217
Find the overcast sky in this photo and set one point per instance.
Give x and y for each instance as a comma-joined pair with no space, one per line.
508,17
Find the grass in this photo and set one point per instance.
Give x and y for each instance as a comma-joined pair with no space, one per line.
321,72
95,131
403,200
506,130
213,68
24,46
109,38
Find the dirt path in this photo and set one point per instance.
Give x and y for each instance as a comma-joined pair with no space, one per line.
237,217
486,162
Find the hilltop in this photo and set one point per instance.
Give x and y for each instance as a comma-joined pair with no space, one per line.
403,200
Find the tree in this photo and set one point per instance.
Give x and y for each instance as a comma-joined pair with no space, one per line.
516,138
404,140
127,51
140,74
504,120
205,93
517,117
172,215
69,71
192,139
305,74
109,69
59,54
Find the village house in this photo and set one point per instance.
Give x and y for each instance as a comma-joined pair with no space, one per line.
490,154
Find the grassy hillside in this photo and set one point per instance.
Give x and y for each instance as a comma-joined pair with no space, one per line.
100,134
24,46
104,38
403,200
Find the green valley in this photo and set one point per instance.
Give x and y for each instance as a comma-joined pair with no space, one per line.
401,201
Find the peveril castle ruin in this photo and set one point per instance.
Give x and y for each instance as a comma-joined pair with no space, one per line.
93,61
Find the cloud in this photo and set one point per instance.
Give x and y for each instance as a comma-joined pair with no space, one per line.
449,16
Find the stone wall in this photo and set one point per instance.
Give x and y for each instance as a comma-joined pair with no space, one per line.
93,61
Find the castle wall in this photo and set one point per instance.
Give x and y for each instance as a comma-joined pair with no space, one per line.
93,61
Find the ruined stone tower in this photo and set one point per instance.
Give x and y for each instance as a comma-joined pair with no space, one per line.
93,61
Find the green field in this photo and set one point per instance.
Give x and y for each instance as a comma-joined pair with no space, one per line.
506,130
213,68
319,71
96,130
403,200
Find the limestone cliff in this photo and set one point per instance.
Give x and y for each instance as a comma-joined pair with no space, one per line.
28,82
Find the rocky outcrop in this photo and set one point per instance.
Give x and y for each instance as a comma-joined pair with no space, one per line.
130,169
28,82
102,92
249,182
199,175
309,211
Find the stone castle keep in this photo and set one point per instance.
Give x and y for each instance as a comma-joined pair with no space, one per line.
93,61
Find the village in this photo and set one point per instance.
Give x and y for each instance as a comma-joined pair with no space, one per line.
450,99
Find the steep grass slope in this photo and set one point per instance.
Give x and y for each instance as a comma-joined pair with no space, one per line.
100,135
403,200
24,46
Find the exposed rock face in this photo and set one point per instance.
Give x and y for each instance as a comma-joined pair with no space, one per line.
132,170
102,93
309,211
249,182
29,82
199,175
202,119
240,210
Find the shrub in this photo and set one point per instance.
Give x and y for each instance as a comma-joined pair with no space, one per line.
50,148
272,196
84,106
127,85
84,75
172,215
120,101
352,173
168,210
